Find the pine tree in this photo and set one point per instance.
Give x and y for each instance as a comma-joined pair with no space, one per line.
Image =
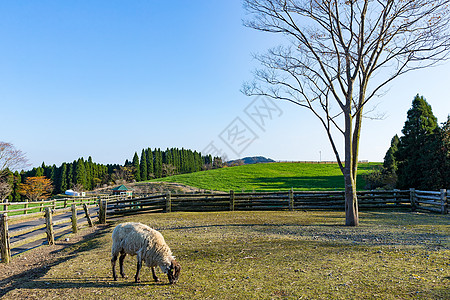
149,154
157,166
390,164
412,148
39,171
143,166
89,165
136,168
54,178
63,178
435,160
15,189
80,172
445,137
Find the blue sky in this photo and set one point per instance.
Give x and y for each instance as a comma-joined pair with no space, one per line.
108,78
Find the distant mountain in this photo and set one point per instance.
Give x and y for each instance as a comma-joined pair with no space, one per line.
249,161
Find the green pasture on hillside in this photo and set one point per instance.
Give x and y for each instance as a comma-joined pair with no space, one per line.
272,177
262,255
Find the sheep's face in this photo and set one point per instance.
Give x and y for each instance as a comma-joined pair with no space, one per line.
174,272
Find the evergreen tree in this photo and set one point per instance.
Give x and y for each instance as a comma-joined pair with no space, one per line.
63,178
89,165
390,164
80,172
55,178
143,166
217,163
149,154
435,160
70,175
445,138
38,171
16,197
157,165
136,168
46,171
420,125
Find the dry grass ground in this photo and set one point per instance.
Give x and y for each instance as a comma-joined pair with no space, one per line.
259,255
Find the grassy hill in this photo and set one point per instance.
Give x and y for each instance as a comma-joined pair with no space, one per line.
271,177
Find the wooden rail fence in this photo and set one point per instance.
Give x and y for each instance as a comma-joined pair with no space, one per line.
430,201
45,220
285,200
221,201
36,208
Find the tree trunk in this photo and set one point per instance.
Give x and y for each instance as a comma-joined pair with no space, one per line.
351,200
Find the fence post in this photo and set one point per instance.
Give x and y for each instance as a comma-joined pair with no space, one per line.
49,226
168,202
396,200
102,204
4,239
5,206
88,217
444,202
291,199
412,199
25,206
74,219
232,200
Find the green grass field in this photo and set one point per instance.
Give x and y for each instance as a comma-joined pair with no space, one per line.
263,255
272,177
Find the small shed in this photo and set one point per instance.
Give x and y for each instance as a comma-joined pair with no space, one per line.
122,190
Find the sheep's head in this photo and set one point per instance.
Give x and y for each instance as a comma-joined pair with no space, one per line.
174,272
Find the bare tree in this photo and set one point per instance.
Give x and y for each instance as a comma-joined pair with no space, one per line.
339,54
10,159
5,189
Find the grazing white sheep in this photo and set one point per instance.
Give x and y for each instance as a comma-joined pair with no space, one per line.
148,245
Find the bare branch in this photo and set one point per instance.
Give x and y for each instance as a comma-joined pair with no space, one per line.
11,158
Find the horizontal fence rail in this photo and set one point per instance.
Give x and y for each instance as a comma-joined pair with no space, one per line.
37,208
283,200
30,226
430,201
111,206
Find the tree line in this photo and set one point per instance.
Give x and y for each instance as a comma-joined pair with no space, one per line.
421,157
86,175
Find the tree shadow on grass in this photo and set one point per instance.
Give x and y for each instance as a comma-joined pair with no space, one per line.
362,236
89,242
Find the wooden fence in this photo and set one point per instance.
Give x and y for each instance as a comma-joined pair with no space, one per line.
44,220
430,201
286,200
37,208
220,201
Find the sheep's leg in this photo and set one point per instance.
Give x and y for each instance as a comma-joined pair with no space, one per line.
154,275
138,269
121,258
113,264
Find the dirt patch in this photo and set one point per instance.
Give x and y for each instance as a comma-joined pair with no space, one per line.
36,262
141,188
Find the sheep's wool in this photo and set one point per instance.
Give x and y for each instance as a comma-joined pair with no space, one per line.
139,239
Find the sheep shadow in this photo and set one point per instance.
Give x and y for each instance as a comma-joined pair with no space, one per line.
85,282
32,276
